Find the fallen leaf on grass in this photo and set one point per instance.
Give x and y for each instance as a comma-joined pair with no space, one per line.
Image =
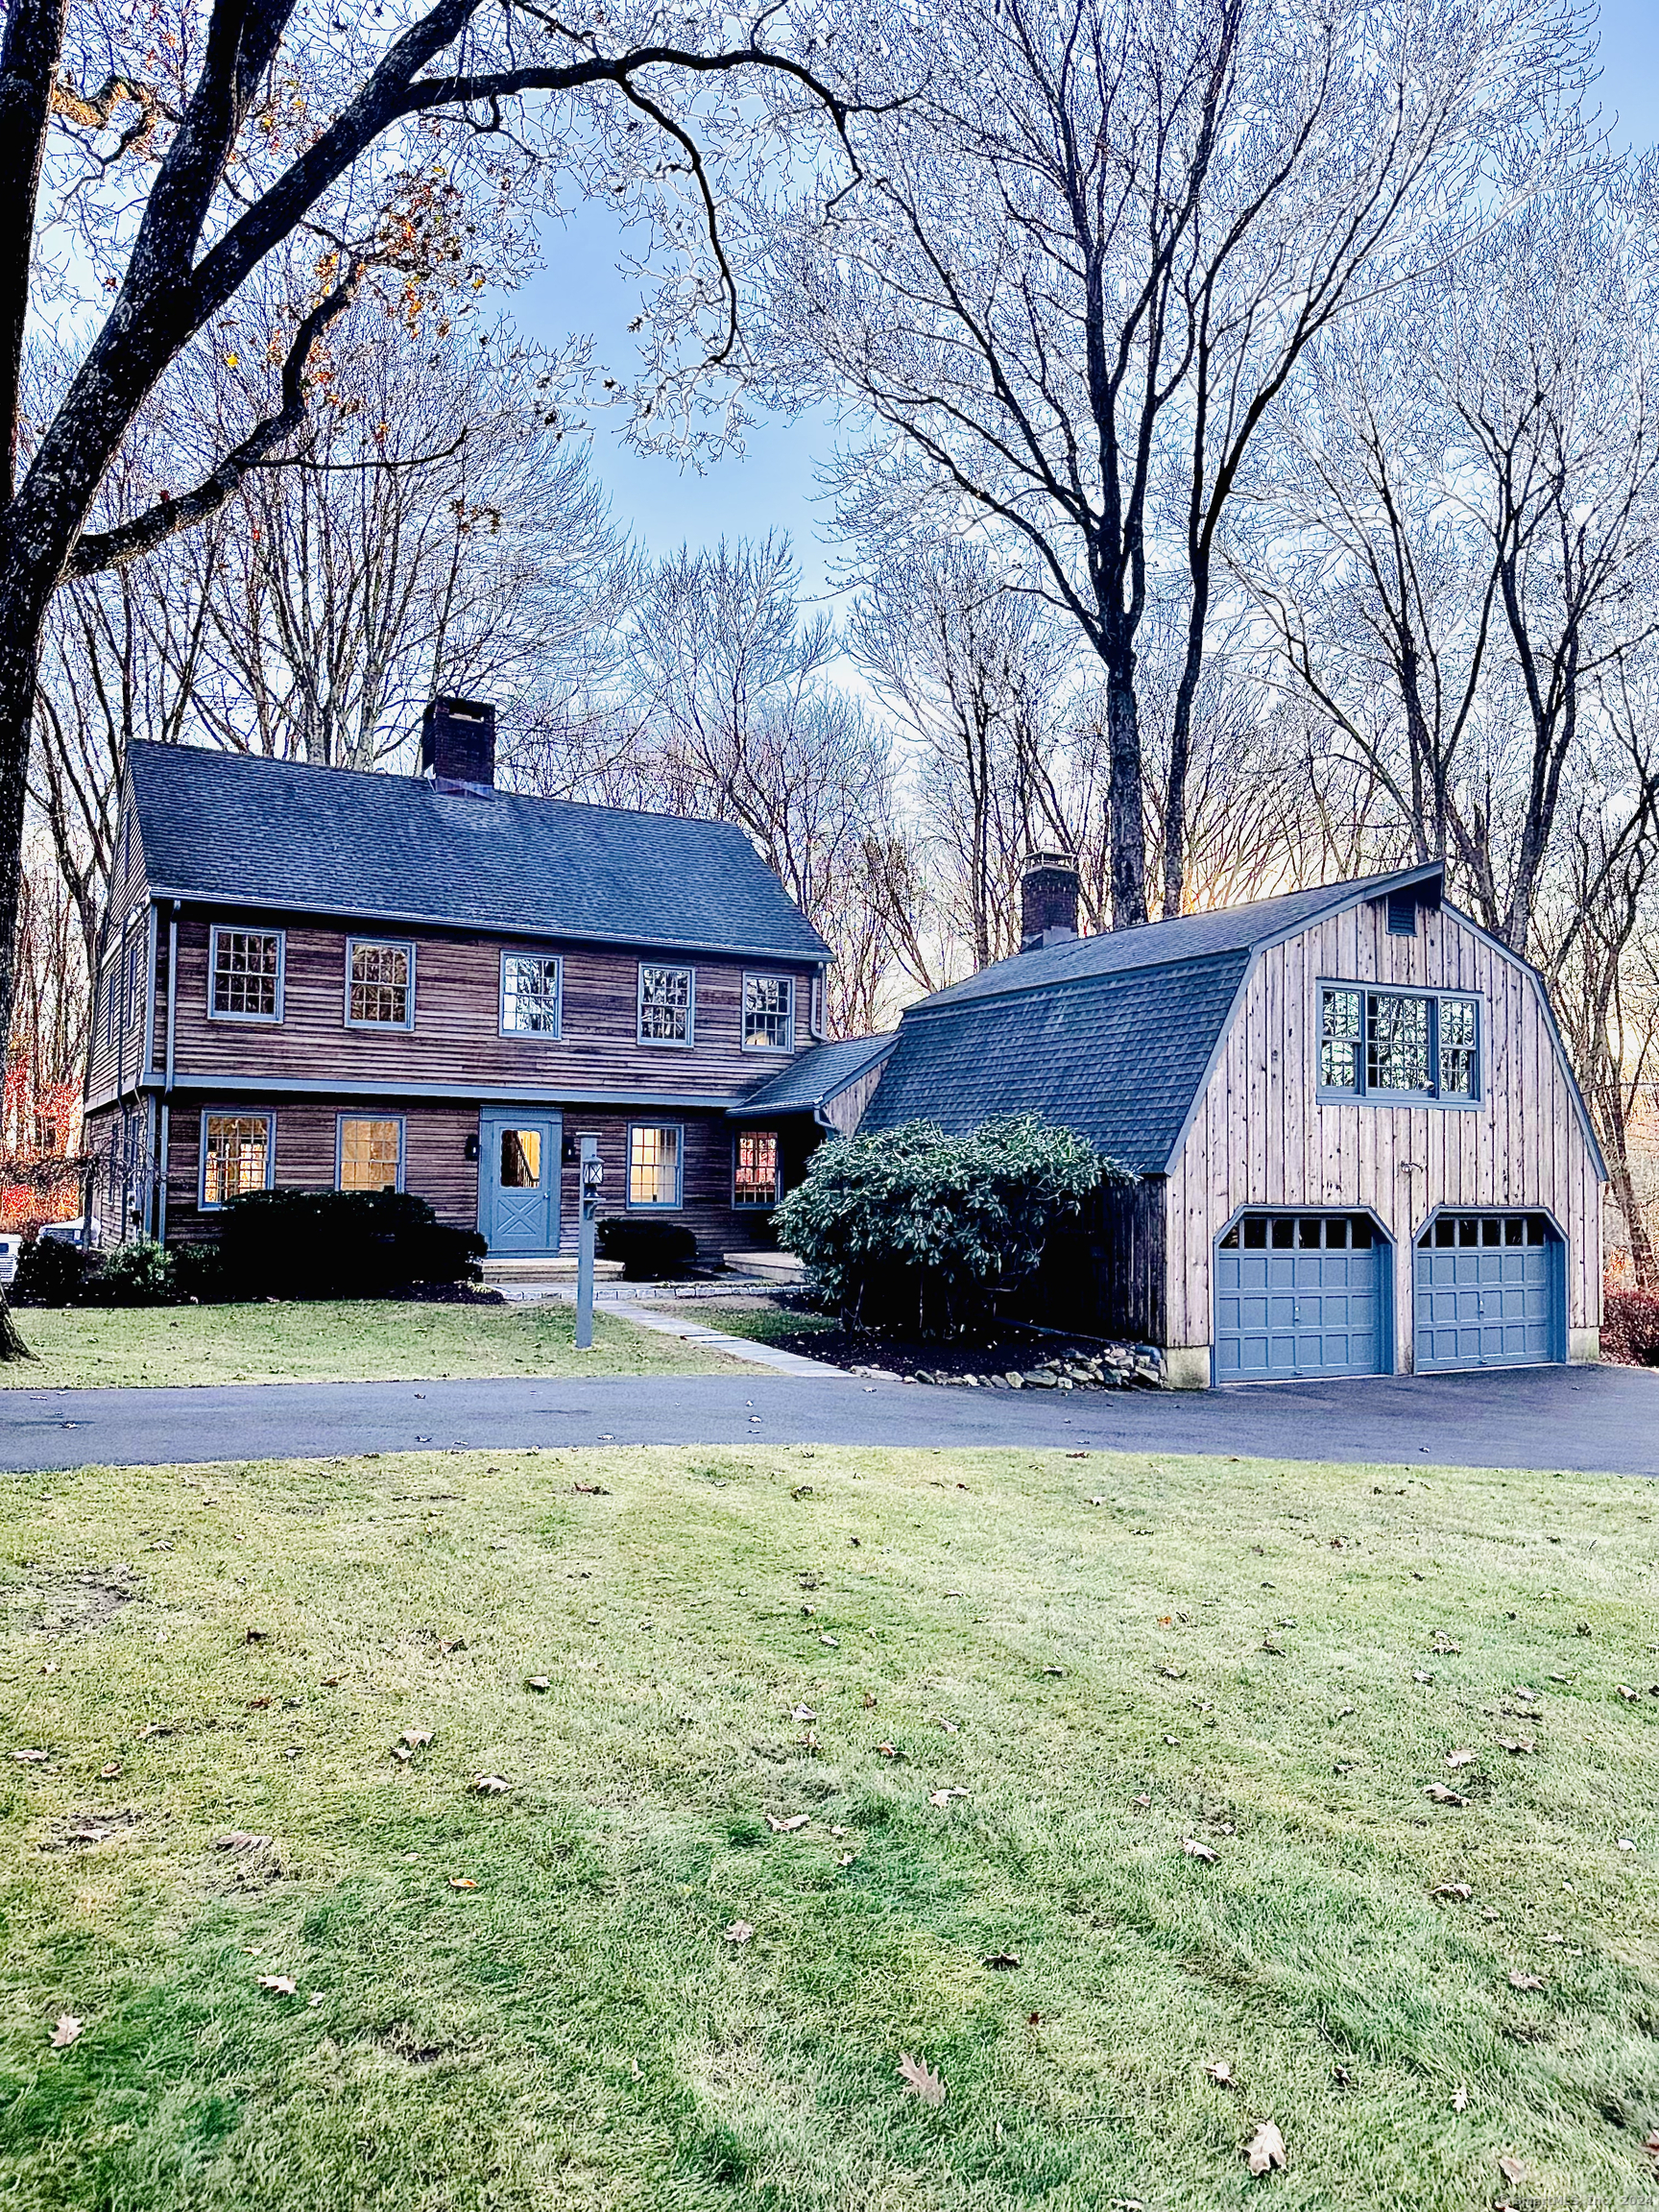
1053,1669
1625,1692
461,1882
1511,2169
1221,2074
1418,1675
239,1839
1142,1801
279,1985
32,1758
109,1772
943,1797
538,1682
1516,1744
1438,1793
789,1826
1461,2099
740,1931
332,1681
847,1859
1518,1981
833,1641
888,1750
1456,1758
66,2032
1196,1850
491,1785
1002,1961
802,1713
921,2079
590,1489
1265,2149
257,1636
1460,1890
417,1739
1626,1843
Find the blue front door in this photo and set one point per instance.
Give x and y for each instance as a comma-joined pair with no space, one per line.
1300,1294
1491,1291
519,1181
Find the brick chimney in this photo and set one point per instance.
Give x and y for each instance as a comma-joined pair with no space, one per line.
1048,899
458,745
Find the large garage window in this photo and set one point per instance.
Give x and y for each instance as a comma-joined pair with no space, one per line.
1393,1046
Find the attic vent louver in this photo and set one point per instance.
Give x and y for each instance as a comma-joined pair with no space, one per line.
1401,913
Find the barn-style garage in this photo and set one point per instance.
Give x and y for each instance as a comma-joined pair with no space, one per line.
1360,1144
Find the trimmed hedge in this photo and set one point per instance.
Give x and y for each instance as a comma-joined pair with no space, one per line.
650,1251
336,1244
1631,1327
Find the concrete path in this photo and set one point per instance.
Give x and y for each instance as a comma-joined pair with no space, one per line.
1594,1419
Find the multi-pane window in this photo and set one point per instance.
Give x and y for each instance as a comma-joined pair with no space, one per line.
755,1182
371,1153
768,1014
529,994
1398,1044
665,1005
235,1155
247,975
654,1163
379,984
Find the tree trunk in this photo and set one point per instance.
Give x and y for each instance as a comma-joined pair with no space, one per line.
1125,816
1643,1258
12,1345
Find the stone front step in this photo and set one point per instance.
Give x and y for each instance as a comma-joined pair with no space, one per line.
520,1270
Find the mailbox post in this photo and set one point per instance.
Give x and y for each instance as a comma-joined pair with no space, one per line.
592,1175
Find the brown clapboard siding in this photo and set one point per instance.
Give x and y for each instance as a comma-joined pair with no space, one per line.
1260,1136
436,1167
456,1035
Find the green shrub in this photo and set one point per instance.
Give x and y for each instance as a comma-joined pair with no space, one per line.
139,1273
338,1245
199,1271
912,1230
50,1272
649,1250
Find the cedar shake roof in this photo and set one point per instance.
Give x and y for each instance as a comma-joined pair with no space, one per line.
237,828
813,1077
1112,1036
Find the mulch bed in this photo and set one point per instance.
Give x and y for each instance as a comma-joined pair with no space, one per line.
1011,1351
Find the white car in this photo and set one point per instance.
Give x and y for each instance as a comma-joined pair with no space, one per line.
10,1247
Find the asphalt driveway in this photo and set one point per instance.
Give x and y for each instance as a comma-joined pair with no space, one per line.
1589,1419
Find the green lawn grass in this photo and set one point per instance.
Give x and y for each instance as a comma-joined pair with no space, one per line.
762,1321
363,1340
1101,1656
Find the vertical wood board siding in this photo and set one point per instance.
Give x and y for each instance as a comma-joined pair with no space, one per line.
1263,1136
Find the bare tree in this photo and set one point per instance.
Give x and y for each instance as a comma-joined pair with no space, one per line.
1083,263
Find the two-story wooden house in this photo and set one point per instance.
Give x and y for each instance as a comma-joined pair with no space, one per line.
315,978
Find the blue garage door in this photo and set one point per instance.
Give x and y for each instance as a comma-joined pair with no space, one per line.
1299,1294
1491,1292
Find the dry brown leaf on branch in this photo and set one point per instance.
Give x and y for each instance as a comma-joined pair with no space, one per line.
66,2032
1196,1850
1221,2074
921,2079
279,1985
1265,2149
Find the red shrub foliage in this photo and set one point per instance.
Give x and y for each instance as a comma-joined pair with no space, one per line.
1631,1327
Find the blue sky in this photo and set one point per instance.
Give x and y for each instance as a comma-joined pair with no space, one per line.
771,483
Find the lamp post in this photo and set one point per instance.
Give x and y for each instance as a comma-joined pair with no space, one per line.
592,1175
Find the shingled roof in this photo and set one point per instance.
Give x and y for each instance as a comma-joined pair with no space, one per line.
1109,1035
242,830
812,1078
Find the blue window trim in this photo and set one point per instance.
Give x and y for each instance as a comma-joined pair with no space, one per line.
1330,1094
265,1114
758,1205
551,1036
656,1205
758,975
398,944
667,968
220,929
340,1122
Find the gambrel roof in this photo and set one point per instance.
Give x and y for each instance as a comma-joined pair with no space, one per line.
1114,1035
235,828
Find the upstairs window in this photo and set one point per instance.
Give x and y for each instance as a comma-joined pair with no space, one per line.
1417,1045
379,984
530,992
755,1182
768,1014
246,972
665,1005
